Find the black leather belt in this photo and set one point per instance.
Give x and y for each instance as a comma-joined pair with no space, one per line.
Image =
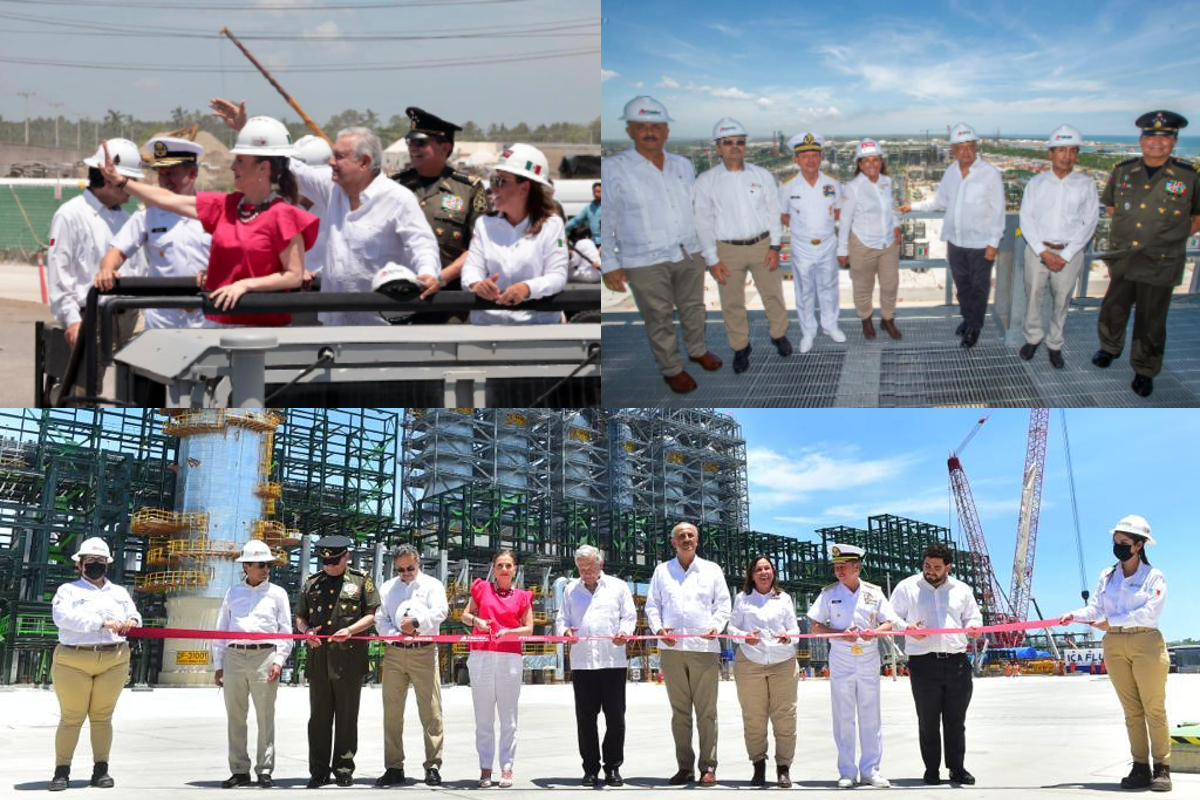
114,646
1055,246
262,646
747,242
939,655
410,645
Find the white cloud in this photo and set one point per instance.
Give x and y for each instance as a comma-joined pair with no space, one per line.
638,85
779,479
726,29
667,83
732,92
607,74
765,102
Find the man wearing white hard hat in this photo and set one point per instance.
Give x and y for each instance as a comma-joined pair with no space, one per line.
367,220
650,243
853,612
972,195
175,247
869,237
518,252
736,207
249,669
91,663
811,202
1127,606
1059,212
80,234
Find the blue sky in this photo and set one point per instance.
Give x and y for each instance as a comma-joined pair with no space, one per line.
1024,67
535,91
810,469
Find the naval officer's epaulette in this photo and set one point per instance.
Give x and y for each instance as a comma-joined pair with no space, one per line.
1179,162
789,178
870,585
830,586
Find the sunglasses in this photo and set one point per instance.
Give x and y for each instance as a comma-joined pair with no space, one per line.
405,570
498,181
733,142
259,564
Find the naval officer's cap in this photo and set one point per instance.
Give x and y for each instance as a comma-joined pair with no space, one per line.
844,553
806,142
168,151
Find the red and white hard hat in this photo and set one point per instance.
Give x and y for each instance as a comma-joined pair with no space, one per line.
869,147
645,109
256,550
1065,136
728,126
962,132
124,154
526,161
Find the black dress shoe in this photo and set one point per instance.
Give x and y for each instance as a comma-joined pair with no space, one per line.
390,777
1056,359
433,777
783,345
1027,350
970,337
589,780
317,781
265,782
61,779
961,329
235,780
1142,385
741,360
344,779
682,777
962,776
932,778
612,777
1102,359
100,776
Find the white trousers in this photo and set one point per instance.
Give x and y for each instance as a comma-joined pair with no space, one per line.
815,280
854,687
495,687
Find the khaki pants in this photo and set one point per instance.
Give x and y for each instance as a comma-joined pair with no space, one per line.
87,683
1137,665
416,667
692,680
741,260
1062,285
245,679
865,264
658,290
767,691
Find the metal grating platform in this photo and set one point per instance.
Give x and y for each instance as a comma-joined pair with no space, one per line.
926,368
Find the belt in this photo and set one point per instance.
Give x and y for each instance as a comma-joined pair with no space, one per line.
410,645
259,646
1055,246
939,655
746,242
114,646
1132,630
815,241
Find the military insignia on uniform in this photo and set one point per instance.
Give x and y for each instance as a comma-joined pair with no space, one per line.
160,150
836,551
350,590
808,139
830,191
480,202
1176,188
457,236
452,203
857,650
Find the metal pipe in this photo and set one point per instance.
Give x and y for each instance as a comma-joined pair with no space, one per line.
248,365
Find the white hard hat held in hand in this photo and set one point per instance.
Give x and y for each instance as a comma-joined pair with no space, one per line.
313,150
124,154
264,136
396,279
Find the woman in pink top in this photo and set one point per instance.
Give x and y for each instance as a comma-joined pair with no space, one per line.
497,609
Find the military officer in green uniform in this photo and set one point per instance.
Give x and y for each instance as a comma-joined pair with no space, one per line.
1154,202
451,200
339,602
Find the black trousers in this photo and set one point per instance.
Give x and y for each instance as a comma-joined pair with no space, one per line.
941,688
1150,304
972,275
333,695
596,690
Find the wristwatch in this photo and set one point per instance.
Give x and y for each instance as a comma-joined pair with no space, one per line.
776,247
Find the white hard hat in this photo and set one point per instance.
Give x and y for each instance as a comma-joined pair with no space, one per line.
525,160
869,147
256,550
264,136
807,141
94,546
645,109
728,126
1135,525
395,278
313,150
962,132
124,154
1065,136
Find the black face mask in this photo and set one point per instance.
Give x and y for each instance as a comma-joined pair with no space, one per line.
95,570
1123,552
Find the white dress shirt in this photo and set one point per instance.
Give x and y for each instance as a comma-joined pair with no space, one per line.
735,205
175,247
388,226
1133,602
1060,211
81,232
868,212
81,608
867,608
582,265
423,600
254,609
810,209
649,218
974,205
768,615
540,262
951,605
695,600
607,611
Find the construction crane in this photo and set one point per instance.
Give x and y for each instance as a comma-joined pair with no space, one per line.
1027,520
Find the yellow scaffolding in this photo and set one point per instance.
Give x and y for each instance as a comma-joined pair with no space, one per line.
274,533
161,522
170,580
189,423
270,492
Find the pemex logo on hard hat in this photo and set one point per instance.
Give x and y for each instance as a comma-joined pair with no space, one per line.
650,112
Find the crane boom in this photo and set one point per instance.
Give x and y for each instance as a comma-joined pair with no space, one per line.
994,609
1027,519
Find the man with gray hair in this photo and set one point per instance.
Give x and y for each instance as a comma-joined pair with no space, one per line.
413,603
598,614
367,220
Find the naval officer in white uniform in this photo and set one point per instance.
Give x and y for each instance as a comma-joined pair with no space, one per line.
810,203
857,610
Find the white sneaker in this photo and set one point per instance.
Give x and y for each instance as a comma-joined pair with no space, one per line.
837,335
845,783
806,343
878,781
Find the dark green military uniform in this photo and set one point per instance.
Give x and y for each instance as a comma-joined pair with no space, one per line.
1151,222
335,669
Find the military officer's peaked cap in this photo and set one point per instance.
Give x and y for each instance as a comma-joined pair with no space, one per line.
841,553
333,546
167,151
1161,123
422,123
